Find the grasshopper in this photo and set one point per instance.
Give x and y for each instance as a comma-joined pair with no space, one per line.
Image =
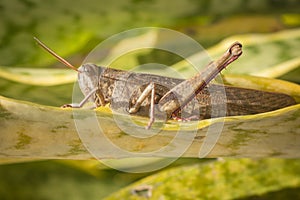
157,96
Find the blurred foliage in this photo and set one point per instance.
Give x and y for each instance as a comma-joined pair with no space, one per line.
76,26
58,180
73,28
277,55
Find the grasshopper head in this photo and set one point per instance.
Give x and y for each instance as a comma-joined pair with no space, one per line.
88,77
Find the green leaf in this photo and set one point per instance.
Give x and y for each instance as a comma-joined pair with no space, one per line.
223,179
26,127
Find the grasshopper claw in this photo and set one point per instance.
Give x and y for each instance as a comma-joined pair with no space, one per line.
71,105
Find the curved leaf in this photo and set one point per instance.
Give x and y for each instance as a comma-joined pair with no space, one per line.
269,55
40,77
36,131
223,179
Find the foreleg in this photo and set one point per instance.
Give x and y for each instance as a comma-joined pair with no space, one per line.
79,105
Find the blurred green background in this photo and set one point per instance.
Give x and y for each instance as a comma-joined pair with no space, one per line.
73,28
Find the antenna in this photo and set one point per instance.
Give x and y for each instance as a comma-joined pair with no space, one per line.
60,59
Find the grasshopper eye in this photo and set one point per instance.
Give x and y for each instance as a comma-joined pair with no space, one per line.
87,70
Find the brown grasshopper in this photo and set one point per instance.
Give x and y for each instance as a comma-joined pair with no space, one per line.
164,97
